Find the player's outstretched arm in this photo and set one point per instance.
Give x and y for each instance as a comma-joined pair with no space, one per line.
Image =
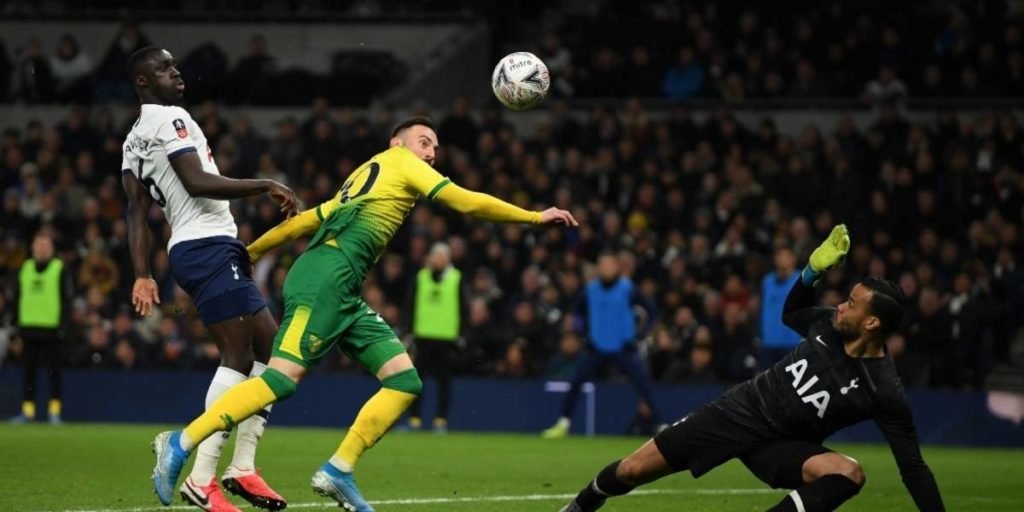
490,208
303,224
199,183
140,242
798,313
897,425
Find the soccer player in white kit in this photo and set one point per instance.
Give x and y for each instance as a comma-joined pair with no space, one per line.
167,161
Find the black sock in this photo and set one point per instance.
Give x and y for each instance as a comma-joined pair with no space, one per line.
822,495
604,486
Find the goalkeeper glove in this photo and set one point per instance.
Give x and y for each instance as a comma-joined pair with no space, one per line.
830,254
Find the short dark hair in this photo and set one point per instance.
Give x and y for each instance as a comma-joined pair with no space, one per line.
413,121
887,303
137,58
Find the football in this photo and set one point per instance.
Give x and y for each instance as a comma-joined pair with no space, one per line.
520,81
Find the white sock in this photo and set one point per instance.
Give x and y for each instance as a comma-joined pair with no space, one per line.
250,431
208,452
340,464
799,503
185,442
563,422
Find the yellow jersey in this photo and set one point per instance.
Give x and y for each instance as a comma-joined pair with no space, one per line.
373,202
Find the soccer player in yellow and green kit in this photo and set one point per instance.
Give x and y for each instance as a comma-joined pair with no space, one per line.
324,307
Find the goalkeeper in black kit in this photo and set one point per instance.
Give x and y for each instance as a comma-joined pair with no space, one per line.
775,423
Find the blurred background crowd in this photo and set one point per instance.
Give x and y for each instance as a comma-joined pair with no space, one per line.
699,213
728,50
707,214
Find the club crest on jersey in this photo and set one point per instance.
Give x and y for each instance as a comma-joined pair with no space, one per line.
179,127
315,343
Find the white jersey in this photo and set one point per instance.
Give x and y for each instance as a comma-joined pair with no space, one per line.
160,134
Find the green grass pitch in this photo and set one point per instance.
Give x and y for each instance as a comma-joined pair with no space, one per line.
107,468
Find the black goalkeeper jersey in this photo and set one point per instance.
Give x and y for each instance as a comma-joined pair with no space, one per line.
817,389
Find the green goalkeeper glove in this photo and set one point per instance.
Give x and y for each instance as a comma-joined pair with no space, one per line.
830,254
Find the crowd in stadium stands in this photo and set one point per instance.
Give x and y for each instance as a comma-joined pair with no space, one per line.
733,52
700,212
66,74
737,50
696,210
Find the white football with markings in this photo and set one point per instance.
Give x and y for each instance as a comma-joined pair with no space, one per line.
520,81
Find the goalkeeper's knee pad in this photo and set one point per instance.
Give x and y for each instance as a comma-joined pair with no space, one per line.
407,381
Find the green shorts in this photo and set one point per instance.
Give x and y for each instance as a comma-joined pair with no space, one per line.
323,308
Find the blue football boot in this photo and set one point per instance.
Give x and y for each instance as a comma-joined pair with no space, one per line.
331,482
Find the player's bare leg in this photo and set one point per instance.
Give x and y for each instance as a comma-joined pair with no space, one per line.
241,477
290,369
400,387
830,480
643,466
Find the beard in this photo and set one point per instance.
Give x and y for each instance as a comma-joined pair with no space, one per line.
846,332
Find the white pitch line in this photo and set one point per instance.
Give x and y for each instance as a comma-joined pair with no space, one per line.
474,499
